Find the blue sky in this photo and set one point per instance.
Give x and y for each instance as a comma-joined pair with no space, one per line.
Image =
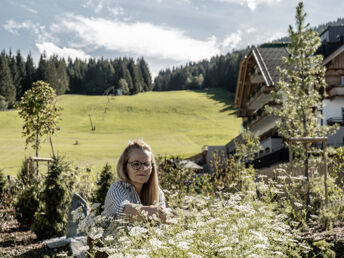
166,33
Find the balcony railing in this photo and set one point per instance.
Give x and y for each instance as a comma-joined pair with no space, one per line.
281,155
255,117
335,120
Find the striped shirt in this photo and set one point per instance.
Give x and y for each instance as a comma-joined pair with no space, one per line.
122,193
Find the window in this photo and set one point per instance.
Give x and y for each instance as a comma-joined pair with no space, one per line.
342,80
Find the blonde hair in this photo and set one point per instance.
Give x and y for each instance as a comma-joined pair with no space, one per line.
150,190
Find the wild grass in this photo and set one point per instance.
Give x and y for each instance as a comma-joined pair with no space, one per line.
173,123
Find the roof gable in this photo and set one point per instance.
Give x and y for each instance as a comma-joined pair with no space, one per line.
270,58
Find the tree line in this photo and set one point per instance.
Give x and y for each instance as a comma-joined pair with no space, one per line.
218,72
90,77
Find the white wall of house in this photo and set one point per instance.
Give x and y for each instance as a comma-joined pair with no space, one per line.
333,108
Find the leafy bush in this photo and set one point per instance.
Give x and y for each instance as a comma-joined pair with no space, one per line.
51,217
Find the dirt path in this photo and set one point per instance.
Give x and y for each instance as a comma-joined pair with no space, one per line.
18,242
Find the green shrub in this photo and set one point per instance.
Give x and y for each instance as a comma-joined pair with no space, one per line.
103,185
51,217
27,200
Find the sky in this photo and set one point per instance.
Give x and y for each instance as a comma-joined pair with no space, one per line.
166,33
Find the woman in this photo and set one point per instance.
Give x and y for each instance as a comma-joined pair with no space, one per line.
138,191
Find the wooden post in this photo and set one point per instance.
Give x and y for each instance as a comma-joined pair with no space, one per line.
52,147
93,128
27,163
291,159
323,140
325,173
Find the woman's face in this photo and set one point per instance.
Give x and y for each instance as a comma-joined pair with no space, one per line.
139,166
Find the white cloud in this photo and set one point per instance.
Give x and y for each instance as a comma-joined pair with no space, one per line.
232,40
277,35
139,38
251,30
32,10
251,4
116,11
50,49
13,26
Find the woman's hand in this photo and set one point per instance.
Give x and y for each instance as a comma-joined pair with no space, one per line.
140,212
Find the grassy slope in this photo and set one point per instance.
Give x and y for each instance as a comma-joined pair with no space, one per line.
178,122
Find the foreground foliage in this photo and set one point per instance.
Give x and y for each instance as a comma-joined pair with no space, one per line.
227,225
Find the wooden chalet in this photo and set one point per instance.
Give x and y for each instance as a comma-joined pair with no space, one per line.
257,78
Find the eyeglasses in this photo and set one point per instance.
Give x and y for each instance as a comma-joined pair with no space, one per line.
137,164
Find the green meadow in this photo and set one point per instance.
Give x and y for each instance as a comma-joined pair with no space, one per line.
173,123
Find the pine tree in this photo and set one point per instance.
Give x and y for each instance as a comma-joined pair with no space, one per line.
123,69
21,75
27,201
62,80
147,78
7,89
51,217
42,67
136,77
30,73
103,185
298,92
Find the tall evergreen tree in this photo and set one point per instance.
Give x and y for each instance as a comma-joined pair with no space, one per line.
136,77
7,89
62,80
42,68
298,93
30,73
147,78
21,75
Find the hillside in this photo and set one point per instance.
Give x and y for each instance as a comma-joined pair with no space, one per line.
173,123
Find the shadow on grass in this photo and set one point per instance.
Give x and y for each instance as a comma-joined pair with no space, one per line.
222,96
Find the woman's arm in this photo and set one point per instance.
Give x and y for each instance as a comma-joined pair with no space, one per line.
136,211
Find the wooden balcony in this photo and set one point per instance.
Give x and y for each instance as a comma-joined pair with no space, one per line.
259,98
335,120
337,90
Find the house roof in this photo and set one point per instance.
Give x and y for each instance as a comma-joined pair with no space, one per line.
337,52
268,57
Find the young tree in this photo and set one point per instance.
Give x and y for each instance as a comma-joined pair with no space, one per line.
40,112
298,92
103,185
